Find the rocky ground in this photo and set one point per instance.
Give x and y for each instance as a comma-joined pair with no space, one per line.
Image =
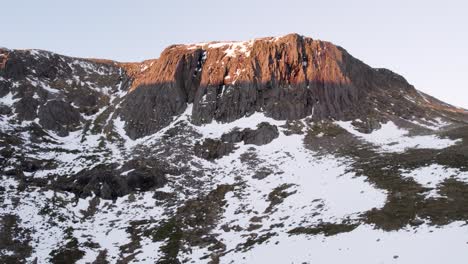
275,150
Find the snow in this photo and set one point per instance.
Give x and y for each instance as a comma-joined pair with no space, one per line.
149,252
231,49
43,85
436,124
423,96
43,239
391,138
146,65
215,129
8,99
434,174
314,183
321,191
320,184
428,245
107,226
35,52
144,68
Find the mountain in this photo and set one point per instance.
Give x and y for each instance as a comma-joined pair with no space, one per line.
274,150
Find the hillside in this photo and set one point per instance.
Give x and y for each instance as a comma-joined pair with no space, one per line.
274,150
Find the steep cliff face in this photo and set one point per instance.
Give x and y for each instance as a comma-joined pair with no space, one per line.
287,78
160,90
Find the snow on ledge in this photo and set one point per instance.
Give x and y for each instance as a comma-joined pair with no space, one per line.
232,48
215,129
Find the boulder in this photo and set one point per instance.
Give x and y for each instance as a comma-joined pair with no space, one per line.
264,134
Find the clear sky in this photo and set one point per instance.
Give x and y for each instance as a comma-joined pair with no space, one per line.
425,41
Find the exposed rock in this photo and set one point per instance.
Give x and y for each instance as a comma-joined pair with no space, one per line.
264,134
212,149
4,87
161,91
32,165
416,222
367,126
107,183
262,173
150,108
5,110
3,57
26,108
14,239
59,116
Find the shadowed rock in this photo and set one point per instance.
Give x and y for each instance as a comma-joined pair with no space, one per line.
107,182
264,134
212,149
59,116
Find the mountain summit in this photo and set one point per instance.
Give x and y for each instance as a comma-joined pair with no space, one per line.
276,150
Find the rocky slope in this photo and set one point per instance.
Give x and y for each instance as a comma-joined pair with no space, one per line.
227,152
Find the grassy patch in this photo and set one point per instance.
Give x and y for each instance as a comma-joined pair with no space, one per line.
406,201
191,225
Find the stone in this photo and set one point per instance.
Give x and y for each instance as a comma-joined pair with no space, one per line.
264,134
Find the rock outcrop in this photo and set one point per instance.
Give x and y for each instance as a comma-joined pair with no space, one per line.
212,149
110,182
264,134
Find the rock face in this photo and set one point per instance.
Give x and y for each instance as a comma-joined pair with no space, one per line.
59,116
287,78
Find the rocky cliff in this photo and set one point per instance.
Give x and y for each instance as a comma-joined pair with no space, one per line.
287,78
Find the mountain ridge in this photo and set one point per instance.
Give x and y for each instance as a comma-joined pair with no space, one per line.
288,77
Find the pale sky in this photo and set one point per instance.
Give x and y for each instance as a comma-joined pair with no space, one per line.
425,41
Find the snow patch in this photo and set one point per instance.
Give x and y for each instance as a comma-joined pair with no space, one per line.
215,129
231,49
431,176
391,138
8,99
